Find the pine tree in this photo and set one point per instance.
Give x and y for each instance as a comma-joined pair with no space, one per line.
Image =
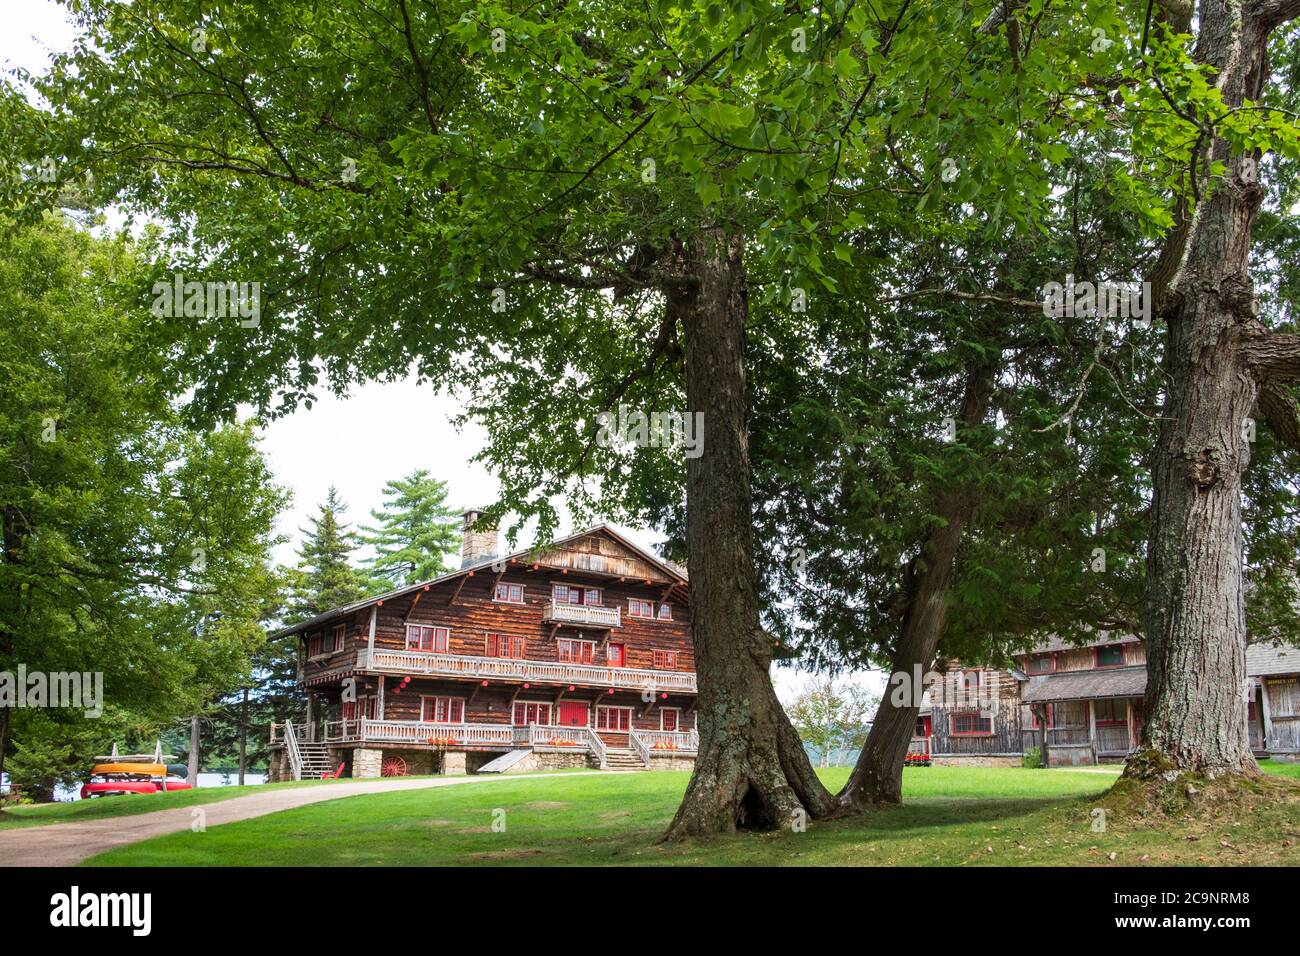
326,576
415,531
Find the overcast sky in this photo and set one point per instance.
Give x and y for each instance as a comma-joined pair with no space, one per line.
380,431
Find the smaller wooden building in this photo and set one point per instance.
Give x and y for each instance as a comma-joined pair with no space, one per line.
1273,700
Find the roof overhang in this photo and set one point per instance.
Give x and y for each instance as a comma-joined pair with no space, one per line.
1086,685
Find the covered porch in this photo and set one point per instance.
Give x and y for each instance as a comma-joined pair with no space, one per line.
1090,716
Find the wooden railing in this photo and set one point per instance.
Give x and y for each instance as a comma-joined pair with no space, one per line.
291,747
1113,739
665,742
561,738
554,672
919,745
593,615
1067,737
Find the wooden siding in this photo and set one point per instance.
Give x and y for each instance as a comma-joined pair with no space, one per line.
1084,658
467,607
997,698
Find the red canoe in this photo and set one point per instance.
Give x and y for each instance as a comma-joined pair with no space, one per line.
109,788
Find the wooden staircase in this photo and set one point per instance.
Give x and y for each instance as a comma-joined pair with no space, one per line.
315,760
623,758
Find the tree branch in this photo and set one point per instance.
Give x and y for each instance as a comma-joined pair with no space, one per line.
1274,356
1280,409
1274,13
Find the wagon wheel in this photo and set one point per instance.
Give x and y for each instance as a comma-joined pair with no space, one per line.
393,767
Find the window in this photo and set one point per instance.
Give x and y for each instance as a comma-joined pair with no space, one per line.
367,707
422,637
669,718
442,710
568,594
1034,722
576,652
971,724
1111,711
510,593
639,608
616,654
922,728
319,644
665,660
1041,664
505,645
617,720
528,712
1110,656
665,612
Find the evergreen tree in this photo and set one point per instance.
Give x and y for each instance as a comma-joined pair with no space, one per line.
325,576
415,531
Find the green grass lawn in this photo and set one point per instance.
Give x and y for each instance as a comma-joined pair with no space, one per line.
952,817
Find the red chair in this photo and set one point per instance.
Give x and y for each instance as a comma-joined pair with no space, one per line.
332,775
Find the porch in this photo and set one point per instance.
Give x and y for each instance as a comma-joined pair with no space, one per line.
404,663
306,744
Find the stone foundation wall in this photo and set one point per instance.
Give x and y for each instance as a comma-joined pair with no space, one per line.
366,763
552,761
671,762
277,766
976,760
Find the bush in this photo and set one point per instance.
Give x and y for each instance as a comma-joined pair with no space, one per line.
1033,759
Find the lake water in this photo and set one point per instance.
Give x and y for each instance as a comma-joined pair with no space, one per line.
65,795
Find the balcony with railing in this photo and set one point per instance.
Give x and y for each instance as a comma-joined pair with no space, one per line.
506,668
582,615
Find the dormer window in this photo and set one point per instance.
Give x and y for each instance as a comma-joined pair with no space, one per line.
1111,655
1040,664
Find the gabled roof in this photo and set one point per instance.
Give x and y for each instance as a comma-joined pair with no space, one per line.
1265,659
674,572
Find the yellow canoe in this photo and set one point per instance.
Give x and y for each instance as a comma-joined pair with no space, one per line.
138,769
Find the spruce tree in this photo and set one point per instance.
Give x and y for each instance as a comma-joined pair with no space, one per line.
414,532
326,576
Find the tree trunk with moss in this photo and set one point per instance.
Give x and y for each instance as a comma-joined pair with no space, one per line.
1217,357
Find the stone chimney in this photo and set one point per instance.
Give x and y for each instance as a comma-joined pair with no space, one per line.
479,546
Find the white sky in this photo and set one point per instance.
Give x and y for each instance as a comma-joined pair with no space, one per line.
400,426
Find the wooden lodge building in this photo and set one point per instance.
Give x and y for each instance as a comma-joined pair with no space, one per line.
1088,699
577,656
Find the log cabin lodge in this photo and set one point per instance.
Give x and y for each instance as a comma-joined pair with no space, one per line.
580,655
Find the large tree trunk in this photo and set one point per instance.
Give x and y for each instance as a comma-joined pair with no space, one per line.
878,775
243,737
1195,615
192,775
752,771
